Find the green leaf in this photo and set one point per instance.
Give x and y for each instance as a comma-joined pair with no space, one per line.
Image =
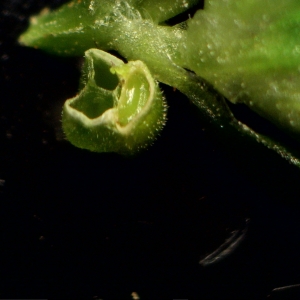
83,24
73,28
164,9
120,108
250,52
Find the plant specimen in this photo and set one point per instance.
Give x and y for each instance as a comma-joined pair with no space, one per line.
244,51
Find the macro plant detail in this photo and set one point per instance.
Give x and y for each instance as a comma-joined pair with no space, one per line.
120,107
244,51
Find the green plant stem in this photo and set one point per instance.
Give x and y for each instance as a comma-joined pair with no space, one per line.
136,35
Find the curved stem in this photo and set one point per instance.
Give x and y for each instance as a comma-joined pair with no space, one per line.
128,27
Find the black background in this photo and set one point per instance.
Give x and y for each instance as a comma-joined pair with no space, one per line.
81,225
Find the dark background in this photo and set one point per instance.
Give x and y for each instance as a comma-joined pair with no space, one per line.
81,225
